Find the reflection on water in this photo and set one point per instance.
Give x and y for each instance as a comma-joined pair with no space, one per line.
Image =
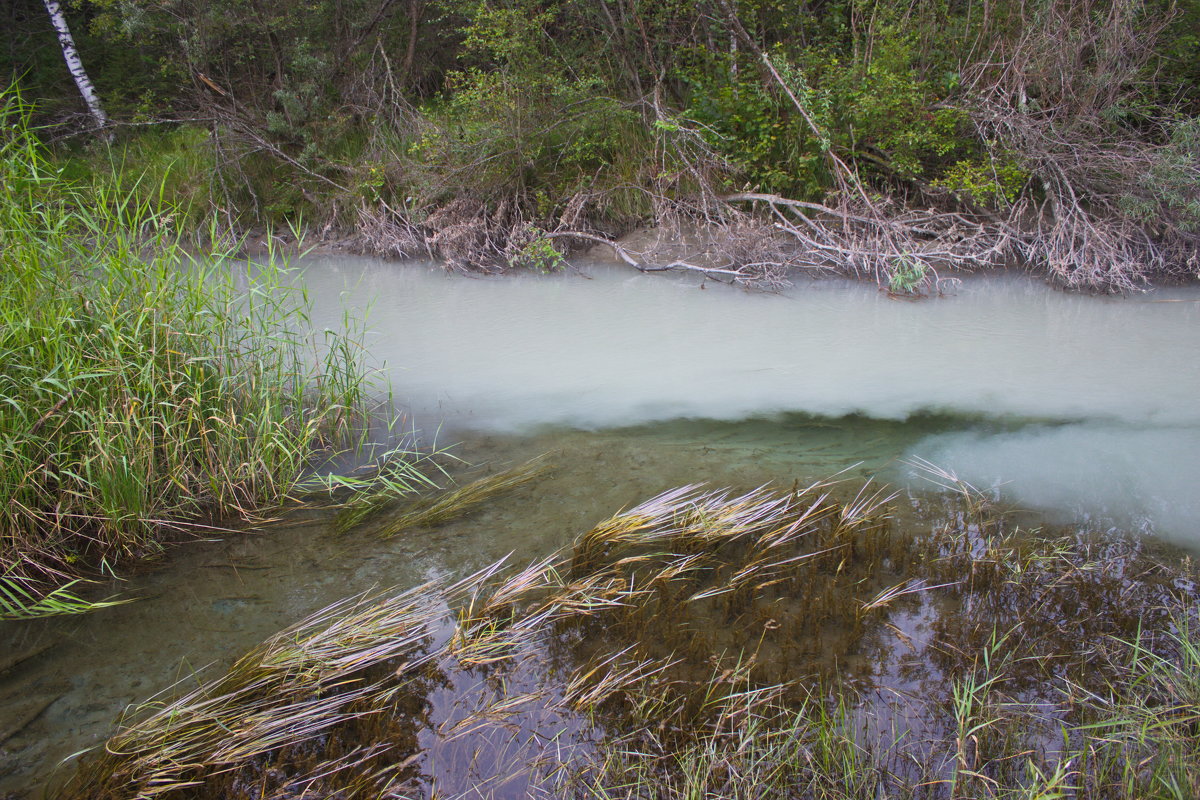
638,384
215,599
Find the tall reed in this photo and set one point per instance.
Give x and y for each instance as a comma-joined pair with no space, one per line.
144,390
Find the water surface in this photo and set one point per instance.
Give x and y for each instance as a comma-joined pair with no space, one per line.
1083,408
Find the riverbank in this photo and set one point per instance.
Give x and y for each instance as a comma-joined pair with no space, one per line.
897,143
686,247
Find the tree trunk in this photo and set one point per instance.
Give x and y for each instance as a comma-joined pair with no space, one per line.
74,65
415,8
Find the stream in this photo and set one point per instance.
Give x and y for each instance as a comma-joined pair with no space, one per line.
1078,410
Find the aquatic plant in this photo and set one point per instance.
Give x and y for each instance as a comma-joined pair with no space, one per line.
907,275
397,491
18,601
400,472
453,503
714,644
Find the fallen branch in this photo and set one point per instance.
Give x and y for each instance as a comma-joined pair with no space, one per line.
739,275
791,205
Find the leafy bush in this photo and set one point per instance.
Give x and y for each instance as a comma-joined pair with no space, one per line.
761,135
984,182
1170,190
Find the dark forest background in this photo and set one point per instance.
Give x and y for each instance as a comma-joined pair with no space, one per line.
472,129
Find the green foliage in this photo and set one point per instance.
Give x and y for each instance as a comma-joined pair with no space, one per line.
289,86
1178,56
907,276
502,131
142,391
1169,192
169,166
538,254
878,110
21,599
507,34
984,183
397,474
762,134
886,112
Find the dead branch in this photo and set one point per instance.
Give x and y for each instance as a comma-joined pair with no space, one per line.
743,275
1045,96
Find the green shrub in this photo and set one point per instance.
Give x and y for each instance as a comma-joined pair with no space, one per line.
984,182
1170,190
762,135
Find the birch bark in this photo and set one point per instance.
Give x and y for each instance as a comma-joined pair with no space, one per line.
74,64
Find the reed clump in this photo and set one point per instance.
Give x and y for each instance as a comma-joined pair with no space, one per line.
778,576
144,393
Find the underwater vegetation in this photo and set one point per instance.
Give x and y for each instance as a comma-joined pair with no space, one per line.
823,641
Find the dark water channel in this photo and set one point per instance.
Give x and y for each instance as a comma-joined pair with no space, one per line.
1081,410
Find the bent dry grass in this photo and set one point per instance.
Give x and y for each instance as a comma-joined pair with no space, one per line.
709,644
144,394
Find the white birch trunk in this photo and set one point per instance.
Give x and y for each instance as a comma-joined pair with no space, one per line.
74,65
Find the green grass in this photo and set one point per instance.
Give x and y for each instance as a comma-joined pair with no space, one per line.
147,390
175,166
18,601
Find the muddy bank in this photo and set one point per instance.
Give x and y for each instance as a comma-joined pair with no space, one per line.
743,251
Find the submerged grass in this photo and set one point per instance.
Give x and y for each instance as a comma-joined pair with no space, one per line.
713,644
454,503
144,392
397,474
344,663
399,491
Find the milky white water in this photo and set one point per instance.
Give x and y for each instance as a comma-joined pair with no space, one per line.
1085,407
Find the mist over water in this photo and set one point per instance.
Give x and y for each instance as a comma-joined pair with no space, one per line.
1141,478
1084,405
